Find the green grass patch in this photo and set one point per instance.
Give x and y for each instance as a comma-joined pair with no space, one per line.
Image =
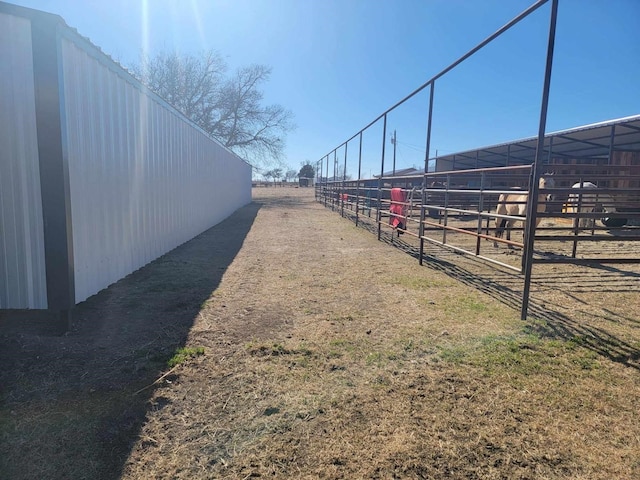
461,305
375,358
183,354
524,354
342,319
339,346
454,354
414,283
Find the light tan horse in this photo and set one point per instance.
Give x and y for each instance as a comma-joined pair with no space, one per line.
515,204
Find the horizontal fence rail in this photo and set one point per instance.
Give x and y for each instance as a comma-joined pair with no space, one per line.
450,208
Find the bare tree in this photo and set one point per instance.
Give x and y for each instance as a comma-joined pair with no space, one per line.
229,108
275,173
290,175
267,174
243,122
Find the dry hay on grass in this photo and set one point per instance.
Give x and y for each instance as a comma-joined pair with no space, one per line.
328,354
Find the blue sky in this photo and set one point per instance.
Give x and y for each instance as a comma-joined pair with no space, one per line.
339,64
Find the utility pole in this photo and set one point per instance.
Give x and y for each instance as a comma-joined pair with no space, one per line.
393,142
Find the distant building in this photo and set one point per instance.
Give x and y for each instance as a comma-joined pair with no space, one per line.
305,181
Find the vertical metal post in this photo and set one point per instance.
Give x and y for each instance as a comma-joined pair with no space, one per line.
508,155
395,140
326,189
317,174
426,171
550,206
446,209
537,165
344,176
618,183
335,176
576,221
384,140
359,176
480,209
612,138
54,168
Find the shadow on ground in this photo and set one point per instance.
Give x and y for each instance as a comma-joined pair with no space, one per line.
100,376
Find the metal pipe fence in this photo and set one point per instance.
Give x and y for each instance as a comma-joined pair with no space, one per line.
455,209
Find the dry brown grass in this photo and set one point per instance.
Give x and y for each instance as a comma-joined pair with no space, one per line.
329,354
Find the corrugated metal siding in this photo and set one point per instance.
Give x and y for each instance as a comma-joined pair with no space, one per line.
143,181
22,264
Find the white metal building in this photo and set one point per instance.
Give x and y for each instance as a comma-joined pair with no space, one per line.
98,175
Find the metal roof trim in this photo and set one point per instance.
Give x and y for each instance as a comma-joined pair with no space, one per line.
524,143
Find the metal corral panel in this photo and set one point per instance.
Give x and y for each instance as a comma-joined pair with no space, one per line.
142,179
22,262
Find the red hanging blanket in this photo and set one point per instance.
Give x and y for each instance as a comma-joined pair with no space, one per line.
398,209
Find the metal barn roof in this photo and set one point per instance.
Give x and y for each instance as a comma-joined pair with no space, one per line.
588,141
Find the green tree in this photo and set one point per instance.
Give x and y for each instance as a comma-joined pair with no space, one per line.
307,170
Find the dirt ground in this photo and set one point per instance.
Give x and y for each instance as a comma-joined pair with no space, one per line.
312,350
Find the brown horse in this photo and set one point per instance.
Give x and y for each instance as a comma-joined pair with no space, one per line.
515,204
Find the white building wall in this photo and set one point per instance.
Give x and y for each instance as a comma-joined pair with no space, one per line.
22,261
142,179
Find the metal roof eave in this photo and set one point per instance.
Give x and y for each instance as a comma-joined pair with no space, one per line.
582,140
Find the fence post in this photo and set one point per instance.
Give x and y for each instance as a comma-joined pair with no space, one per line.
379,213
359,176
480,210
532,204
426,171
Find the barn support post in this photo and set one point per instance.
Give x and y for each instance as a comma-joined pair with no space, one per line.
359,177
426,171
537,165
480,210
54,168
612,139
380,181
